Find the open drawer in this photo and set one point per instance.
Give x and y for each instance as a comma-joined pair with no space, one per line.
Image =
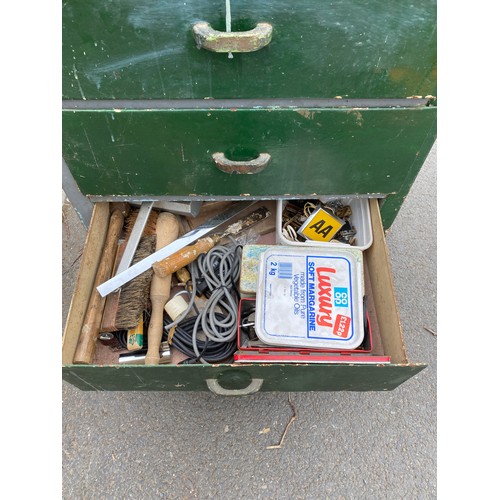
243,379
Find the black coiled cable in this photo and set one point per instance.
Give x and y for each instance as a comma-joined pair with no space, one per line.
208,349
211,351
220,270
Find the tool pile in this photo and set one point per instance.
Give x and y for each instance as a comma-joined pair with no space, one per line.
175,302
213,287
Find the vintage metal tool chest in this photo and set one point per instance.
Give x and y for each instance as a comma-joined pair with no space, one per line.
341,94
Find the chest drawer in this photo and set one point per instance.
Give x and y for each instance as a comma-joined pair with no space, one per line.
168,152
236,379
136,49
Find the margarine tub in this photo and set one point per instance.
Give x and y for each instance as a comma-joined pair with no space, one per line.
310,297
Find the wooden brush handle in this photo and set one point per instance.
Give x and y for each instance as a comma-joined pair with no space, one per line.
183,257
90,330
167,230
112,302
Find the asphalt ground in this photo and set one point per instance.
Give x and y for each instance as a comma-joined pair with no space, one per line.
342,445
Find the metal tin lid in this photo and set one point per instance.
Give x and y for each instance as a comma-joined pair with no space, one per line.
310,297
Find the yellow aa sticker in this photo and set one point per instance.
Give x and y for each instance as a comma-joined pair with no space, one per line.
321,226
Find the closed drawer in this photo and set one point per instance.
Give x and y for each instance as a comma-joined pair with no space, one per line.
169,152
132,49
236,378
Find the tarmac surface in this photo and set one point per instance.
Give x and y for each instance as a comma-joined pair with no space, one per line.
342,445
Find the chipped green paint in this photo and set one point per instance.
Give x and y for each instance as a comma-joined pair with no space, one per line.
347,49
329,151
295,378
131,49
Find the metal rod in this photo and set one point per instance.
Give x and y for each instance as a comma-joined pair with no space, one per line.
228,16
139,358
274,104
228,23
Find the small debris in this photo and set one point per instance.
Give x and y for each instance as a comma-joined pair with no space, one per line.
66,224
226,428
171,335
72,264
430,331
265,430
292,418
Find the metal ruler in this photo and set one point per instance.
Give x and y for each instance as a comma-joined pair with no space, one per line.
135,236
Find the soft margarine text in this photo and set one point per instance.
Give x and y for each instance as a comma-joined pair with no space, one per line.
311,302
319,296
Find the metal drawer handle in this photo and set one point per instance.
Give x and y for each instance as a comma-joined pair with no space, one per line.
241,167
216,388
221,41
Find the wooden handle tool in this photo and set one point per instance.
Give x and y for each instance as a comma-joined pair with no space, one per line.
185,256
90,330
189,254
167,230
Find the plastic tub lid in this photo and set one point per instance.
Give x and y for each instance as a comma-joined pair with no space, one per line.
310,297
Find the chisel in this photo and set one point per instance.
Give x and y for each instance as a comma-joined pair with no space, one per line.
135,236
120,279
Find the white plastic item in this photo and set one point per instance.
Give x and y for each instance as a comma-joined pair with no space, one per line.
360,219
310,297
176,306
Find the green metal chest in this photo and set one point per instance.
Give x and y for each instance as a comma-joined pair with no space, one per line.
340,94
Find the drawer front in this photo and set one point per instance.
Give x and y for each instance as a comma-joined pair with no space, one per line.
136,49
169,152
238,379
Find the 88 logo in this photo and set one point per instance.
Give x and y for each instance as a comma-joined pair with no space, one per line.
340,297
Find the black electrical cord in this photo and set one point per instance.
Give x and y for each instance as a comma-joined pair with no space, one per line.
121,335
208,349
183,340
